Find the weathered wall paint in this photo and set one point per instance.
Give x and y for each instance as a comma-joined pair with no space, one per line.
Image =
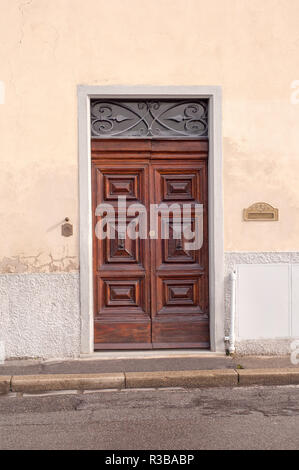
42,263
248,47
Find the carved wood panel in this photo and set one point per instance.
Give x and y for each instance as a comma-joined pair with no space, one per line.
153,292
121,264
180,277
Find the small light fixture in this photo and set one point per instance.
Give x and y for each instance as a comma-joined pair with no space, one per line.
67,228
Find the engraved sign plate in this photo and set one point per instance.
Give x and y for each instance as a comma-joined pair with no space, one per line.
260,211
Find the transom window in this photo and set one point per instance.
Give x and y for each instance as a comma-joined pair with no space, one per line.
149,118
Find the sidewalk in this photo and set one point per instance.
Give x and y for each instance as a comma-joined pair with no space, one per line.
89,365
82,375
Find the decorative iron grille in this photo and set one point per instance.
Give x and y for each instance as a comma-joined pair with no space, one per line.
149,118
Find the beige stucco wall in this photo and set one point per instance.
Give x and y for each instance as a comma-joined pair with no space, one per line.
47,48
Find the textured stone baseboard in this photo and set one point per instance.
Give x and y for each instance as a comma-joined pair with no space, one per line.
264,347
40,312
40,315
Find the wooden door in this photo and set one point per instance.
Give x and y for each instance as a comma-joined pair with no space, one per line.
150,293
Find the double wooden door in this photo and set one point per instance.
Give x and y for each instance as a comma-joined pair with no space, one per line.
150,292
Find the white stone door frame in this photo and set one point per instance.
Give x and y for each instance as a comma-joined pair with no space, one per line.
216,251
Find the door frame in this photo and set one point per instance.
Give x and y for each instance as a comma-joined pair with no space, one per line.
215,198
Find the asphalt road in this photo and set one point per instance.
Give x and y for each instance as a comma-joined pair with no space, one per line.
223,418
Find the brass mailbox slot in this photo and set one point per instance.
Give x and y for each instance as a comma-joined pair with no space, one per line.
260,211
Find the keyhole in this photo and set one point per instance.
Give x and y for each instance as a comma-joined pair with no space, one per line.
121,240
179,244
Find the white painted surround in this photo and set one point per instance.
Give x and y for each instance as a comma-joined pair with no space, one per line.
216,266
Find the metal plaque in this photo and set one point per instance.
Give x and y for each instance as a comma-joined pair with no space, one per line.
260,211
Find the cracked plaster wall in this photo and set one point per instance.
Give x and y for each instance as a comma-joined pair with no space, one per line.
38,264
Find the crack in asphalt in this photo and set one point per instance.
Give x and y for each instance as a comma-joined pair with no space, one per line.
269,401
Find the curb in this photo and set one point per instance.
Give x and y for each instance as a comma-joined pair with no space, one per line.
128,380
5,384
268,376
189,379
53,382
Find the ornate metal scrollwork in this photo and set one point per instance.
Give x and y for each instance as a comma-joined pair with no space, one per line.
149,118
